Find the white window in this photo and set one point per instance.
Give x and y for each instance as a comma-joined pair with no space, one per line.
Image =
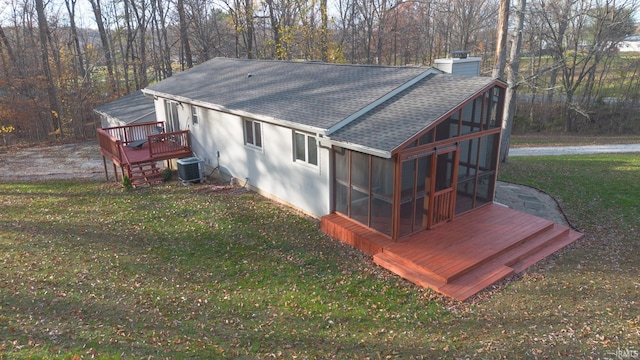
253,133
305,148
194,115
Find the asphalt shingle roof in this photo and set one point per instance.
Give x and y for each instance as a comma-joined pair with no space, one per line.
413,110
129,108
314,94
321,95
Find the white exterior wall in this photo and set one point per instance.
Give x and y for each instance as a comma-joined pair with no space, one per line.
271,170
629,46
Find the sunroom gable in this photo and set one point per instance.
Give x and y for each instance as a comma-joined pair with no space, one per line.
397,122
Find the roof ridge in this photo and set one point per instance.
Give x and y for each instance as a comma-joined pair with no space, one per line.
391,94
320,62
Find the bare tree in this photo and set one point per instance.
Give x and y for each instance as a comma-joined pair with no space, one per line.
501,43
184,36
512,81
106,46
52,91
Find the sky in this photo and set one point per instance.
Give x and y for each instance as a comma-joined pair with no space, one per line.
84,13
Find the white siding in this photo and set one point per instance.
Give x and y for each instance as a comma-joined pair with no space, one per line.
218,138
630,45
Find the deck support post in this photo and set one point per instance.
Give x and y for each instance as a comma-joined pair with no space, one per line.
104,163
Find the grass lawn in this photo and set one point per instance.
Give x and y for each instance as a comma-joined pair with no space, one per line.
90,270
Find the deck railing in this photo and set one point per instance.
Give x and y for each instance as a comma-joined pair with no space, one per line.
162,144
136,132
109,145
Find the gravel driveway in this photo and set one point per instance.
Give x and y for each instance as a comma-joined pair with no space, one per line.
67,161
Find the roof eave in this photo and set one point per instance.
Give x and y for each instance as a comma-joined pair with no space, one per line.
361,148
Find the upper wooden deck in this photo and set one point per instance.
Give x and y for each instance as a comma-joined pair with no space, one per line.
463,256
139,143
137,148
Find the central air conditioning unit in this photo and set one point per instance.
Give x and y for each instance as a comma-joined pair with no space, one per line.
190,169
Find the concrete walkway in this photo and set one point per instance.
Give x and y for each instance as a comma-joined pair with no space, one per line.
529,200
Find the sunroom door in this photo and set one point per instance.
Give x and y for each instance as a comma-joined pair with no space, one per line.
443,199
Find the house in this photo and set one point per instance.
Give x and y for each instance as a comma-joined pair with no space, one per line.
285,126
397,161
630,44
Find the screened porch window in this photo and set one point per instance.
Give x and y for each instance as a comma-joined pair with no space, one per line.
364,188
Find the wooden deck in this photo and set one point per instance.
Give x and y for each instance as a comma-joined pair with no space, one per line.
464,256
137,148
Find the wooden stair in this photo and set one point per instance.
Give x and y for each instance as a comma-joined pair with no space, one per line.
486,271
145,173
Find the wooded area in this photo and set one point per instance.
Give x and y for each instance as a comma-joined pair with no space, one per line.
63,58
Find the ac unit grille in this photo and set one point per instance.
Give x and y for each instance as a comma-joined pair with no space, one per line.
190,169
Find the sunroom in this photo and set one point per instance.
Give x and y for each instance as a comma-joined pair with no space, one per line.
445,169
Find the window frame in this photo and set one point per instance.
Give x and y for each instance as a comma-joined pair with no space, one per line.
307,137
172,116
252,138
195,115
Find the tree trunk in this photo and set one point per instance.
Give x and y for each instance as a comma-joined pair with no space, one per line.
97,12
141,20
129,51
501,41
248,12
184,35
166,54
279,52
79,62
512,83
12,57
324,43
52,92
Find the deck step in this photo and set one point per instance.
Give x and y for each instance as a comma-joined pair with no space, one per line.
401,261
533,245
499,252
473,282
415,274
550,247
145,173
